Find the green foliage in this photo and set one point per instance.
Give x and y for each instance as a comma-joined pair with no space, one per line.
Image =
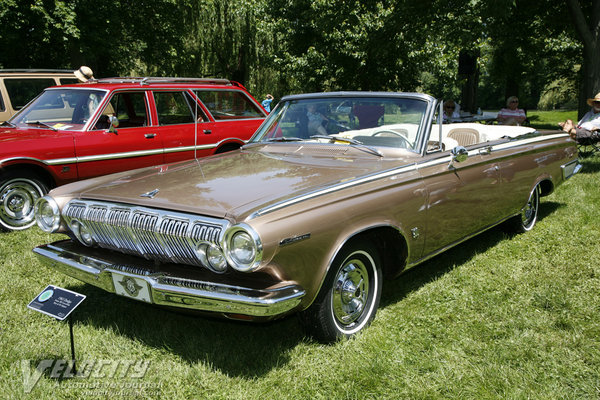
284,46
559,93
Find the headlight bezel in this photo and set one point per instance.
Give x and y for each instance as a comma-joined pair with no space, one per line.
229,249
56,222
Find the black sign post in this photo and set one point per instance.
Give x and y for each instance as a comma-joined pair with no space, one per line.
58,303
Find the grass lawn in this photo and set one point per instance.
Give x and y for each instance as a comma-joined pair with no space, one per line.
549,119
498,317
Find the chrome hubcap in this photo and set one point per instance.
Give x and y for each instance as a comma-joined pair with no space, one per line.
18,198
529,212
350,292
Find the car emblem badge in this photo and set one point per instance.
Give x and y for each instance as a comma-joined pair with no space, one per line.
150,194
130,286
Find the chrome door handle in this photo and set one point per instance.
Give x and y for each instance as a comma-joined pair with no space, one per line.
207,131
486,150
150,135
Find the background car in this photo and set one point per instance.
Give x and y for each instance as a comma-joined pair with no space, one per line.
19,86
335,193
74,132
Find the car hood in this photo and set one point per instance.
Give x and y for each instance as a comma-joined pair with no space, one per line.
238,183
9,134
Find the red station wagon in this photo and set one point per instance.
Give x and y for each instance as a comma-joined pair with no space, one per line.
74,132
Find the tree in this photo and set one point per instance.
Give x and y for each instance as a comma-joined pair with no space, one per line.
586,19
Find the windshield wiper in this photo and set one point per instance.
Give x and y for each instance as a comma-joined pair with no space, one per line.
358,143
9,124
284,139
41,124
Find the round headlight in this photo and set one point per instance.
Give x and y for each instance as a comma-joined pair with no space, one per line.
243,248
82,232
211,257
47,214
216,259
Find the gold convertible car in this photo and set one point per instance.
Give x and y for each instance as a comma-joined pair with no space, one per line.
334,193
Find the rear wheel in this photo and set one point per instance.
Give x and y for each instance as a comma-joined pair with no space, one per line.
18,194
527,218
349,297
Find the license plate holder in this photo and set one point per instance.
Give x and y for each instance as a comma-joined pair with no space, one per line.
132,287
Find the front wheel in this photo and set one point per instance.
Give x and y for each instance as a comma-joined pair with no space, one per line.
18,194
349,297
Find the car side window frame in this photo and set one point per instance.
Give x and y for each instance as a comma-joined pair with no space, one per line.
179,102
102,121
216,109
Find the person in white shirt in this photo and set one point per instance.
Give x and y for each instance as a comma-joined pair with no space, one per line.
511,115
450,112
589,125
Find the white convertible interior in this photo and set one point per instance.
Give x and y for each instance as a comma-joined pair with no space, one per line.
463,134
470,133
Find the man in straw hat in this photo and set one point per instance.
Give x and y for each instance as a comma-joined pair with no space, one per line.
84,74
589,126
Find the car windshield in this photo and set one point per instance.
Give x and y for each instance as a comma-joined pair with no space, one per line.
373,121
60,109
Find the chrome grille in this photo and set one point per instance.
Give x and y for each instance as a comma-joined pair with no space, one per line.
149,233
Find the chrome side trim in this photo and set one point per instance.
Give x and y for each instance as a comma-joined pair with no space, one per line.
385,174
173,291
332,189
128,154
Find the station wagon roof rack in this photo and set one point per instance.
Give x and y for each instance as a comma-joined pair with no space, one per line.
151,79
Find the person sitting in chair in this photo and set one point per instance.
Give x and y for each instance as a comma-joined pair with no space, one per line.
589,126
511,115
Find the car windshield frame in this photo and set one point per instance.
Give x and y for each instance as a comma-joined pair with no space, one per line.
61,108
375,119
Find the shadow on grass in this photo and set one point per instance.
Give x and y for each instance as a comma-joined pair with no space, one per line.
591,164
245,349
436,267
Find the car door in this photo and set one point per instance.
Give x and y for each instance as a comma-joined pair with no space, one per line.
183,138
133,144
463,197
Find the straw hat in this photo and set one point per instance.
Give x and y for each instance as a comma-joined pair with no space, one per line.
597,98
84,73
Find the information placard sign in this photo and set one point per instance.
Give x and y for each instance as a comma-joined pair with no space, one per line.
56,302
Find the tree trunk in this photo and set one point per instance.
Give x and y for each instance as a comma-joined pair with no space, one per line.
590,37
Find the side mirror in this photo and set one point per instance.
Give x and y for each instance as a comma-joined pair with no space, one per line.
114,124
458,154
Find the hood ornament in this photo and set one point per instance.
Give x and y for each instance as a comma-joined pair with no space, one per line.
150,194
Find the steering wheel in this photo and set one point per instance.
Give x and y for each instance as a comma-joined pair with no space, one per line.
404,140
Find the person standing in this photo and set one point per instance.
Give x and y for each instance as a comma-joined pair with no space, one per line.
266,103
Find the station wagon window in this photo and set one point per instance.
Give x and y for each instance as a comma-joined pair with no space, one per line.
174,108
129,108
229,104
22,91
61,109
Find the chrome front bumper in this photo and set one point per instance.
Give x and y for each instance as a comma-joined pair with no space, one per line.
163,289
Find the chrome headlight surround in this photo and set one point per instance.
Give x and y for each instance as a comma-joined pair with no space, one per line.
212,257
47,214
242,247
82,233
